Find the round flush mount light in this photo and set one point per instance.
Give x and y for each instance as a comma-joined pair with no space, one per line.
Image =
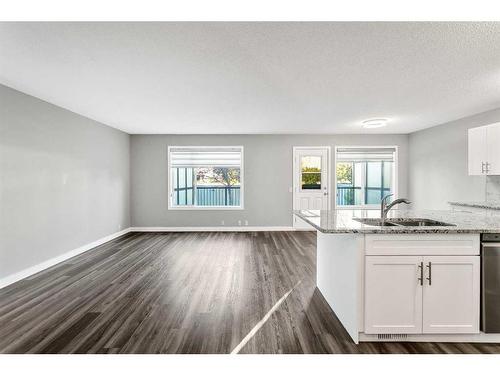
374,123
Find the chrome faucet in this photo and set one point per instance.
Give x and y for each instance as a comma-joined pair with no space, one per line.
384,207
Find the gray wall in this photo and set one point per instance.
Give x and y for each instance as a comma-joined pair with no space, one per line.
64,181
268,176
438,165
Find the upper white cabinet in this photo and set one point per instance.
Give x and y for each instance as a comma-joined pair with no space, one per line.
493,149
477,151
484,150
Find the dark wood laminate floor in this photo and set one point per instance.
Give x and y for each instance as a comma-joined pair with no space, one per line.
185,293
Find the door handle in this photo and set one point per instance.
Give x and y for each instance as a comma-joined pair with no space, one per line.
429,266
421,278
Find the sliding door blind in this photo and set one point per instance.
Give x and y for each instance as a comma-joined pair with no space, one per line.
365,154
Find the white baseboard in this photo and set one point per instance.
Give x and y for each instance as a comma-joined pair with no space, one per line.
60,258
211,229
310,229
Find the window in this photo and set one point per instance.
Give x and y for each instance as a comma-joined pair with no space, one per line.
310,172
364,175
205,177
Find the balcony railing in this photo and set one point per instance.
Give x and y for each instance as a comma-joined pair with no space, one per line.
346,195
352,195
208,196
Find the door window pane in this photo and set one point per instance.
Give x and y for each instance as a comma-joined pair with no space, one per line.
373,174
310,170
373,196
348,193
387,174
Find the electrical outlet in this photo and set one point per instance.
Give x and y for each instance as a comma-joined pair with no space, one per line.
246,222
239,223
222,222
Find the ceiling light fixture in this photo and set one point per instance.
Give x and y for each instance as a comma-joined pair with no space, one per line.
374,123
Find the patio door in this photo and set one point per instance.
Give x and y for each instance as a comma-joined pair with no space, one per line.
310,180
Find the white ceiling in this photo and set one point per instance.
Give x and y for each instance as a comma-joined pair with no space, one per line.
257,77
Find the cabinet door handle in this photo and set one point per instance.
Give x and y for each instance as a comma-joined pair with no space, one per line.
421,278
430,273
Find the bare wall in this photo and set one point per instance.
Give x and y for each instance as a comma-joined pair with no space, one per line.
438,164
64,181
268,176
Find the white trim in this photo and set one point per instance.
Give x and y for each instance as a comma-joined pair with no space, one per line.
58,259
207,208
216,229
328,171
394,172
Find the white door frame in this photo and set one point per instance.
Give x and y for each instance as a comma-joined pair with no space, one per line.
328,171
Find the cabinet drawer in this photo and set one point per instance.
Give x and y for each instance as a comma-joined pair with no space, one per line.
422,244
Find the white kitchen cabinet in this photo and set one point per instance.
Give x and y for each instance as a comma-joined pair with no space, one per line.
477,151
493,149
421,294
451,294
393,295
483,150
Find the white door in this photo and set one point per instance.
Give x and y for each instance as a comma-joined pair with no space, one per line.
310,175
393,294
477,150
493,149
451,294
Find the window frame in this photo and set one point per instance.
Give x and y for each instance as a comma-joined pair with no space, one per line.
205,208
394,186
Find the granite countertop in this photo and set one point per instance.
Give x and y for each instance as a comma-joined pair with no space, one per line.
341,221
478,204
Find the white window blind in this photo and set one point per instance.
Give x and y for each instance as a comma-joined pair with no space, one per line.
191,157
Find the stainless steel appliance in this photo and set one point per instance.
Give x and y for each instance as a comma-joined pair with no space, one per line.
490,283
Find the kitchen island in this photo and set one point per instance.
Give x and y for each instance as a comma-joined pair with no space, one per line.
416,282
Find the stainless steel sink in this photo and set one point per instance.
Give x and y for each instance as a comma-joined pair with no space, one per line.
406,222
376,222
